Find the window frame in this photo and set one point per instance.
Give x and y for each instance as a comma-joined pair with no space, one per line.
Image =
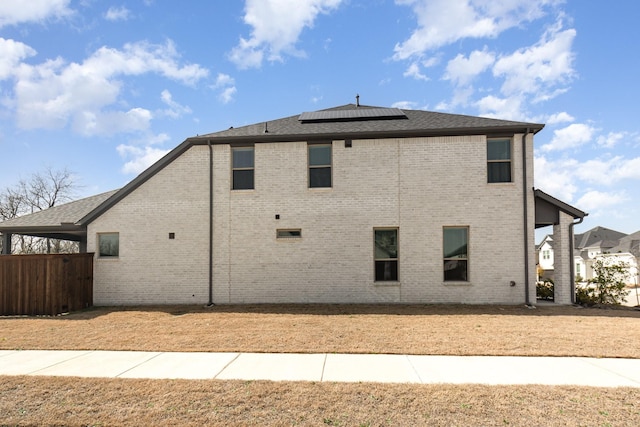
235,169
98,245
395,260
455,258
508,161
329,166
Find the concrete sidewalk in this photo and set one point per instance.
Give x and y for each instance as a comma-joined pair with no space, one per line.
493,370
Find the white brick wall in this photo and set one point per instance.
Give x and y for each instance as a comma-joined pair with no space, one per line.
151,268
417,185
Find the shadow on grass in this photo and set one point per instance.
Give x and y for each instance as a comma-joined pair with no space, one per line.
364,309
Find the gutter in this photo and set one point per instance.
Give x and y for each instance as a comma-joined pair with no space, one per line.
525,209
572,273
210,303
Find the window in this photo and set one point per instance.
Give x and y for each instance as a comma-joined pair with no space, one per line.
546,254
499,160
242,166
386,254
319,165
578,268
456,256
108,245
288,233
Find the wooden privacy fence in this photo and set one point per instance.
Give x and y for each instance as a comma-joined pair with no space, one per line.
45,284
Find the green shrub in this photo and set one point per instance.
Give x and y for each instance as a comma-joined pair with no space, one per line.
544,290
607,286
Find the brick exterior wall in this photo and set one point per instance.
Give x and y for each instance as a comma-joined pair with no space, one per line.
418,185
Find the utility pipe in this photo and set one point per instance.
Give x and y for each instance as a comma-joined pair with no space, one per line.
210,303
525,207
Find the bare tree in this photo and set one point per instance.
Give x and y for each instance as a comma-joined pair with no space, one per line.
43,190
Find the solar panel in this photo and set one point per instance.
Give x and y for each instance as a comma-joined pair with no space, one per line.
352,115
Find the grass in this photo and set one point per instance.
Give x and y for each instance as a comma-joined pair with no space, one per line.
455,330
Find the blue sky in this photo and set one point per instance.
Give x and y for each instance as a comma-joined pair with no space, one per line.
106,88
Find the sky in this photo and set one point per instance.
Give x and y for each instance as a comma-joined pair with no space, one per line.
105,88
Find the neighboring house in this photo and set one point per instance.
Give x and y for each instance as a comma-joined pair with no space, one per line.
351,204
589,245
545,258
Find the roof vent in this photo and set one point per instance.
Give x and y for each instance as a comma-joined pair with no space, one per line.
357,100
266,129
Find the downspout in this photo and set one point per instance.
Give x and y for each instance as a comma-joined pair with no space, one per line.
572,273
210,303
525,208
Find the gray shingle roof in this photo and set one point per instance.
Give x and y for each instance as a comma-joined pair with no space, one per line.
600,236
68,213
417,122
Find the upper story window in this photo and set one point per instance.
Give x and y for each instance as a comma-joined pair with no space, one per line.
319,165
242,168
499,160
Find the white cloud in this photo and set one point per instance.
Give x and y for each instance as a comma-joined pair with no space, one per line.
117,14
11,54
609,172
15,12
599,200
414,71
276,27
572,136
227,87
442,22
140,157
404,105
539,68
175,110
556,177
462,70
509,108
557,118
89,123
610,140
54,93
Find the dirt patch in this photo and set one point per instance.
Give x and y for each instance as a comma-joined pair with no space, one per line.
424,329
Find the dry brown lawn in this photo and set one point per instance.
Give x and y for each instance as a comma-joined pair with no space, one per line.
426,329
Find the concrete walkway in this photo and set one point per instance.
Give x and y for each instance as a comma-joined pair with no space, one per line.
493,370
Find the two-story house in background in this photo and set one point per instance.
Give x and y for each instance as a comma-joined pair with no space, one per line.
351,204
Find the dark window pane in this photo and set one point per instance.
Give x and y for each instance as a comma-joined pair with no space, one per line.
285,234
499,149
386,244
499,172
319,155
455,270
108,245
243,157
243,180
455,242
386,270
319,177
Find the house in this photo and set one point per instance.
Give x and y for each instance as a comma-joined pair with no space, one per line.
591,244
352,204
544,252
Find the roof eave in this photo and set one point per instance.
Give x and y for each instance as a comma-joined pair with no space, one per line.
276,137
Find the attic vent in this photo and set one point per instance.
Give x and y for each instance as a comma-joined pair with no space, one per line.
352,115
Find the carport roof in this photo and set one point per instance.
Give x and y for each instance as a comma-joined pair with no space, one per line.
548,209
60,222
